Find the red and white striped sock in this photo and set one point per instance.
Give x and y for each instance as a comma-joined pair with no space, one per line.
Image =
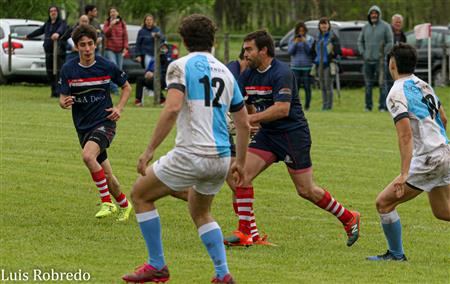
235,208
244,200
122,200
102,186
334,207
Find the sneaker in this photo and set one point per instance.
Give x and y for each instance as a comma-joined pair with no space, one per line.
138,103
106,209
147,273
124,212
238,239
264,242
227,279
387,256
352,228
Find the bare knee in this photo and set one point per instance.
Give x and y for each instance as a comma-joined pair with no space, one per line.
306,192
89,159
383,206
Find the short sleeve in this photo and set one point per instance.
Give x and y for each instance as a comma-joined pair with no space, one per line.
237,102
63,83
118,76
397,105
282,86
175,77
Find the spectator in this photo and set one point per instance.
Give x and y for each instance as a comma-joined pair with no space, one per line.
301,60
238,66
53,29
91,12
327,48
116,39
399,36
72,51
374,43
147,79
145,45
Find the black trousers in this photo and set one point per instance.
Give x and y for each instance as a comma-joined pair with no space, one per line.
141,82
49,68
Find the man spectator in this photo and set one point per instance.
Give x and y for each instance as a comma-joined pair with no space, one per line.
91,12
53,29
399,36
374,42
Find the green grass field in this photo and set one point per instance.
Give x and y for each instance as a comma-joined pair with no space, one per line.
48,202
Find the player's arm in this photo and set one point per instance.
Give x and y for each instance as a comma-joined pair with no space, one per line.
240,119
116,111
65,101
277,111
405,142
166,121
443,116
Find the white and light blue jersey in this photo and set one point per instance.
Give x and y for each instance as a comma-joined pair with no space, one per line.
411,97
210,92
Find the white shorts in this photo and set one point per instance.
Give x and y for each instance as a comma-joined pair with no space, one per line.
430,170
180,170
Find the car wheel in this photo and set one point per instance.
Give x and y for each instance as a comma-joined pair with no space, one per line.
438,79
3,79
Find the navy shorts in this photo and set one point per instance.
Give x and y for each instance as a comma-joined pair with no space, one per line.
103,135
292,147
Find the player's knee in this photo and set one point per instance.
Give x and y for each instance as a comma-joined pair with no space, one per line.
305,191
88,159
383,206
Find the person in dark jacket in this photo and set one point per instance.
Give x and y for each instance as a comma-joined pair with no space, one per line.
53,29
399,36
326,48
145,43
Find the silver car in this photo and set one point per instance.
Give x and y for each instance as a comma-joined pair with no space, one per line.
28,56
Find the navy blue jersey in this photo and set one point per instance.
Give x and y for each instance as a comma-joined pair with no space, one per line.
235,68
90,87
277,84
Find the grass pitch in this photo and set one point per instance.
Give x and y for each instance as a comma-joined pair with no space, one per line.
48,202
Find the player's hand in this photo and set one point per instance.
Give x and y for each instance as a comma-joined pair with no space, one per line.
115,113
124,52
143,160
55,36
399,185
238,174
66,102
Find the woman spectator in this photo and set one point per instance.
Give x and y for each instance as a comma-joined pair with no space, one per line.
53,29
301,60
326,48
116,35
145,44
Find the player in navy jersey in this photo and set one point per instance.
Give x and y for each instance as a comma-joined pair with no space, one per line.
270,88
84,87
201,90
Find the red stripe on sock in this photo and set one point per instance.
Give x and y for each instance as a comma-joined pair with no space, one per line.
97,177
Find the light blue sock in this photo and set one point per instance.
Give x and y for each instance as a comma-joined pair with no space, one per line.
393,231
150,225
212,238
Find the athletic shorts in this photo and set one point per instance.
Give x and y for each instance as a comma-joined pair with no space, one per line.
103,135
179,170
292,147
430,170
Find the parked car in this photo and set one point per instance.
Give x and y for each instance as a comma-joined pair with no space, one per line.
28,56
351,62
133,68
440,36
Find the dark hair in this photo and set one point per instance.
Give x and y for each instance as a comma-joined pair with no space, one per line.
145,17
89,8
324,20
84,30
262,39
197,32
57,10
241,54
109,12
300,25
405,56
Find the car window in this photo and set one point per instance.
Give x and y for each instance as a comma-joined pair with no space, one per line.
349,38
436,39
447,38
411,39
2,33
23,30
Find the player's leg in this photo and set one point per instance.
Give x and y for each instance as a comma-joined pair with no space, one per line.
125,207
146,190
386,204
439,199
232,185
209,232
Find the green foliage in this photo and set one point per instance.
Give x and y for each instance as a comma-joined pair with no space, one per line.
48,202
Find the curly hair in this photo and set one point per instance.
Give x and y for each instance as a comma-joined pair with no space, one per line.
198,32
262,39
84,30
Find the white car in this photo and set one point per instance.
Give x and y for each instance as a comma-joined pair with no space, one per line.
28,56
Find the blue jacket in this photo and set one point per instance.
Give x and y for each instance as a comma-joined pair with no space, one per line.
145,43
59,27
301,52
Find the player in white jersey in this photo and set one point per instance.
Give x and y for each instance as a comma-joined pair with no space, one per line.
201,91
425,153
